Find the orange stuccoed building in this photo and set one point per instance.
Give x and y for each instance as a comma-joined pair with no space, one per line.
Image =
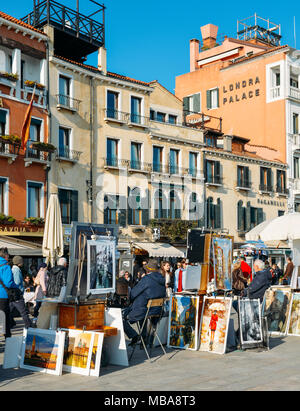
252,83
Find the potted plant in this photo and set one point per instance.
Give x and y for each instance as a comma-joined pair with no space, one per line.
10,139
30,83
40,145
6,219
37,221
9,76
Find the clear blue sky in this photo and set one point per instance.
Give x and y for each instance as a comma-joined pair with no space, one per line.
149,40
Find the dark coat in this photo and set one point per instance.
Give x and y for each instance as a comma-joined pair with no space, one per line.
57,279
150,286
261,282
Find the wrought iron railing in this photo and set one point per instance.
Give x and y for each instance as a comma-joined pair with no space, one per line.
266,187
68,102
68,154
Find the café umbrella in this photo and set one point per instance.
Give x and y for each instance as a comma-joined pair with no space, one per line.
53,243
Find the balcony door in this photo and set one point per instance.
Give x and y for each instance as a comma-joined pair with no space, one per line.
136,110
112,104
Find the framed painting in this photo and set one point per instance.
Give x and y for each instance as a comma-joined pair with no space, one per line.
222,262
78,350
276,306
101,270
214,324
96,354
42,350
294,316
183,322
250,321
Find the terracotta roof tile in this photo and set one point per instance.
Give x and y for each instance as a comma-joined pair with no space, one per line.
19,22
261,53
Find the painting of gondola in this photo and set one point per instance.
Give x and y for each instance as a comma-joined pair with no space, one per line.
276,307
214,324
101,266
42,350
222,260
183,322
250,321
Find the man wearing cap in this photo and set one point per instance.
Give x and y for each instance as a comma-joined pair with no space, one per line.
17,273
152,285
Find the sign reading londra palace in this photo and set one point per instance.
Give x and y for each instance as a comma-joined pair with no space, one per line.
240,90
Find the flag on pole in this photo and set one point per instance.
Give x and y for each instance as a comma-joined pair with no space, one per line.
26,123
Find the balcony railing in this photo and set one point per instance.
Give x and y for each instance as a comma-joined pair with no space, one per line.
65,153
282,190
295,93
243,184
67,102
275,92
137,119
201,120
39,155
213,180
112,114
266,188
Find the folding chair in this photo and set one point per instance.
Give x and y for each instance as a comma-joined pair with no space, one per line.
157,302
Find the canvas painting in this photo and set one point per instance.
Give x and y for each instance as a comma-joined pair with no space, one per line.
101,266
96,354
250,321
78,351
222,260
276,306
294,317
183,322
214,325
42,350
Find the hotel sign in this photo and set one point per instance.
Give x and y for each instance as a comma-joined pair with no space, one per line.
241,90
17,230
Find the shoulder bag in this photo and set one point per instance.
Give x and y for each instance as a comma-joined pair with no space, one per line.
14,294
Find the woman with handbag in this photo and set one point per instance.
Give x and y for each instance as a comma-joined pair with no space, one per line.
6,283
41,281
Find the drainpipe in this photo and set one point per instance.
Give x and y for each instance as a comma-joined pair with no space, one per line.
90,185
49,117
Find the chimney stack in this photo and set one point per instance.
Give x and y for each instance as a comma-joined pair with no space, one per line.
209,36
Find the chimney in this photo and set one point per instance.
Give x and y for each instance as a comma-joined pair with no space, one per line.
227,143
102,60
194,54
209,36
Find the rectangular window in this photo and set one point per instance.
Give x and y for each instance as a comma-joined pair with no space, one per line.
265,179
172,119
34,199
34,135
212,98
193,164
136,150
3,119
112,104
212,172
64,142
295,123
243,177
157,159
192,104
281,182
174,161
64,91
112,152
68,200
136,110
161,117
294,82
296,167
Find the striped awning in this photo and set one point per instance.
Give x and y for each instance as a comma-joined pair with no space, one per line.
160,250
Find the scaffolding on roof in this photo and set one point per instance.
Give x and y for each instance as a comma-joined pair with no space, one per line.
258,28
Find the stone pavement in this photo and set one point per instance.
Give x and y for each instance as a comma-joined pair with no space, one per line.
276,369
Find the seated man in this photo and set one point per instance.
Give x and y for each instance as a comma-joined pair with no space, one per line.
152,285
261,281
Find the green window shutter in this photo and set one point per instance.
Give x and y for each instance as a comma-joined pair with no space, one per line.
74,205
185,104
218,214
248,217
208,99
260,215
145,208
246,176
129,216
240,215
196,103
218,98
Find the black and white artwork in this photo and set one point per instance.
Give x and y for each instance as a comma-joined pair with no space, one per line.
101,266
250,321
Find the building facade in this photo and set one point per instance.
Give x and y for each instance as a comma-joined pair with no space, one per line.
252,83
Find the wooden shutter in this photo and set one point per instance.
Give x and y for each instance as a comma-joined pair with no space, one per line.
129,219
246,176
217,172
217,208
208,99
145,203
248,216
260,215
217,97
74,205
196,103
240,216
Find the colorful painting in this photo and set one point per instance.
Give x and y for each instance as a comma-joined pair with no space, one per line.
78,351
222,260
183,322
42,350
276,306
101,266
250,321
294,317
96,354
214,325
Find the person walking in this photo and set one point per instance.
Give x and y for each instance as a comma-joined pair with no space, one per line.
6,280
41,281
165,269
286,279
180,274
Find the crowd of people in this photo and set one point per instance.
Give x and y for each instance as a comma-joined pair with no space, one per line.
41,280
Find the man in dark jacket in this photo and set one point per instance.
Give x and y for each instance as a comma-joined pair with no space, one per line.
261,281
57,278
152,285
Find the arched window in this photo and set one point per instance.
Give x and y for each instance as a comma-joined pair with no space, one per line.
193,207
213,213
138,207
174,205
160,204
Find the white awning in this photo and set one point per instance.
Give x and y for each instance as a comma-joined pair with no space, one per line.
160,250
21,247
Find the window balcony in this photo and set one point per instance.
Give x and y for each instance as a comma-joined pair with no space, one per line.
115,116
243,185
213,181
275,92
265,188
9,149
138,120
67,103
282,191
65,154
294,93
37,155
116,163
